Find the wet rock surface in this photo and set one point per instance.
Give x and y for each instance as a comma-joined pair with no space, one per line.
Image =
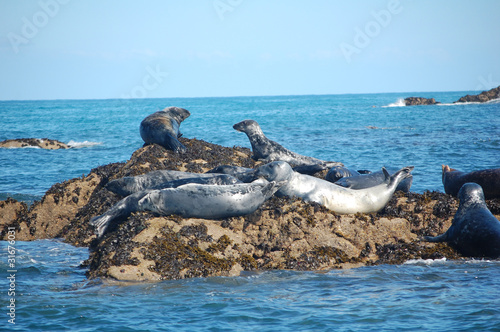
43,143
284,233
412,101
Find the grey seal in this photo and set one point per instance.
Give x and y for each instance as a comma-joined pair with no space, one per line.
165,179
336,198
162,128
241,173
361,181
474,231
191,201
267,150
488,179
338,172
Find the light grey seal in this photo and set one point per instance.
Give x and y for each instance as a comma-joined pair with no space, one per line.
474,232
336,198
165,179
266,150
191,201
361,181
162,128
488,179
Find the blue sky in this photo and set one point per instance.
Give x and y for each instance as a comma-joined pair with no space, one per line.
69,49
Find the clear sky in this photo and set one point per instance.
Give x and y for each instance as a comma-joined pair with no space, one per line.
70,49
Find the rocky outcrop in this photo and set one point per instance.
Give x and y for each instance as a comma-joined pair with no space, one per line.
412,101
483,97
284,233
43,143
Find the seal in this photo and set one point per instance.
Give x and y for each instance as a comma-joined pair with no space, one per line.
488,179
162,128
190,201
338,172
361,181
268,151
474,232
243,174
336,198
165,179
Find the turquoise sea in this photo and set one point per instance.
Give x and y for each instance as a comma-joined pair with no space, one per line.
365,131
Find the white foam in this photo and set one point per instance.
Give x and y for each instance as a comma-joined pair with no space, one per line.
399,103
425,261
84,144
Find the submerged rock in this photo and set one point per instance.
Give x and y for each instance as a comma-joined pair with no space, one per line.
284,233
43,143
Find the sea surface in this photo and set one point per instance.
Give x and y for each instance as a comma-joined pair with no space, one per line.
364,131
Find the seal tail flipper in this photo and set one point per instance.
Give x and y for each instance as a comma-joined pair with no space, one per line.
177,146
100,224
387,176
439,238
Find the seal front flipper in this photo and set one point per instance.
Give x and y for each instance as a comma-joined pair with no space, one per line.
174,145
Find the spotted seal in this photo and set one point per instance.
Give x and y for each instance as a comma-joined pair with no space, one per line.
361,181
191,201
165,179
267,150
474,232
488,179
336,198
162,128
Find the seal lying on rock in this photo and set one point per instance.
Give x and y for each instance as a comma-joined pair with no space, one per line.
488,179
165,179
336,198
338,172
266,150
475,231
191,201
361,181
162,128
241,173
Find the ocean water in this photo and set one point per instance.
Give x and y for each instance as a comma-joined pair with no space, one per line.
362,131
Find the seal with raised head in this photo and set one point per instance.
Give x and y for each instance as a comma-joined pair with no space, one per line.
488,179
191,201
267,150
162,128
165,179
336,198
361,181
474,232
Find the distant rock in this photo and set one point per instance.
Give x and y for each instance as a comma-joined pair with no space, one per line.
412,101
43,143
482,97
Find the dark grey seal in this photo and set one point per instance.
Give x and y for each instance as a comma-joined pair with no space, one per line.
162,128
191,201
241,173
266,150
165,179
488,179
362,181
474,232
338,172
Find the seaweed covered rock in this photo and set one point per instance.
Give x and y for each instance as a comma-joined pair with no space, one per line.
42,143
284,233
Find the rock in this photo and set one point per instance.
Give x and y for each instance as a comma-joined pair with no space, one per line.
44,143
285,233
412,101
483,97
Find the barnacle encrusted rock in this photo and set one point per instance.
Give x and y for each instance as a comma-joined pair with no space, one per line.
284,233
